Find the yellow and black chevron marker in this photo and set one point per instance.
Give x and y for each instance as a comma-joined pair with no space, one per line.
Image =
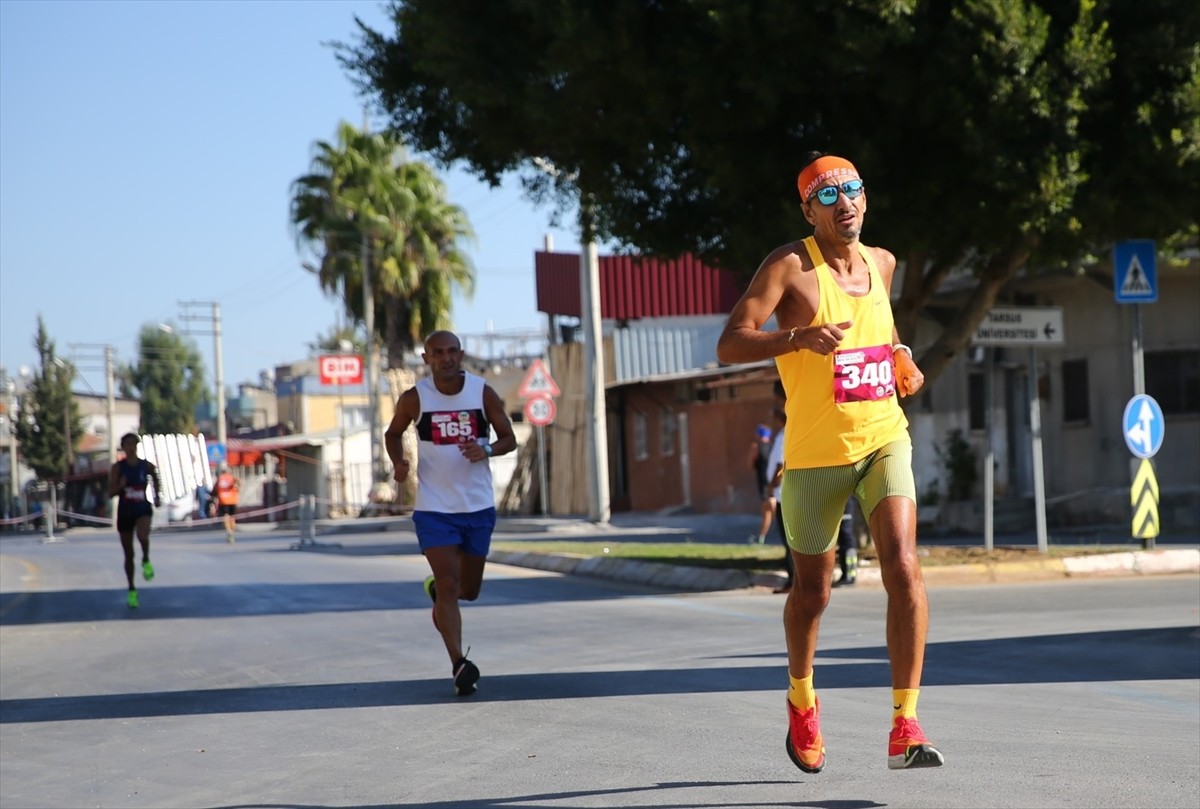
1143,496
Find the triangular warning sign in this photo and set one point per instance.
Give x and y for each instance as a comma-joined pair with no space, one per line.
538,382
1135,282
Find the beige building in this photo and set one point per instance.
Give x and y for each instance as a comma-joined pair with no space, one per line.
1082,389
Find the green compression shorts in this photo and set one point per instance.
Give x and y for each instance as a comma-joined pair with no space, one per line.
813,500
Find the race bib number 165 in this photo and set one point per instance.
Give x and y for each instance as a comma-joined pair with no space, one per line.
863,374
454,427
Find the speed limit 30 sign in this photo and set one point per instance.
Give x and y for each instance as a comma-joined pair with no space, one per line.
539,410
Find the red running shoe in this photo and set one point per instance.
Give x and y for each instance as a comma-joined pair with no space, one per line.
805,746
909,749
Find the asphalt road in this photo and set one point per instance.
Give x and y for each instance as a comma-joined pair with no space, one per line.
256,675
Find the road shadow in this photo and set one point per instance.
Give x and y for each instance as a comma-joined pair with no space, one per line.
163,602
1133,654
539,799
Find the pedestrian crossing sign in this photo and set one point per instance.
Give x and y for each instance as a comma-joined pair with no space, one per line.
1135,272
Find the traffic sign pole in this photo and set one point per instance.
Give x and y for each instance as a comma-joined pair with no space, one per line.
1039,477
543,486
1139,365
1144,428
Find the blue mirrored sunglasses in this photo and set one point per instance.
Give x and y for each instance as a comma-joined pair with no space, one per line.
829,194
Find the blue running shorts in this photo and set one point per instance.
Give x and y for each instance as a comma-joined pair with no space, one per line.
472,530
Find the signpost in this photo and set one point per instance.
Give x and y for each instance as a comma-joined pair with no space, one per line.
1021,326
1135,281
216,453
539,410
341,369
538,382
1144,429
1028,326
538,388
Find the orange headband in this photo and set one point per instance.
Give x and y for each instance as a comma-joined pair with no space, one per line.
820,170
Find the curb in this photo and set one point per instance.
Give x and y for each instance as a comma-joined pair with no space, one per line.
679,577
682,577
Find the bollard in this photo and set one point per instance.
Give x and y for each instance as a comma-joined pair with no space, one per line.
50,515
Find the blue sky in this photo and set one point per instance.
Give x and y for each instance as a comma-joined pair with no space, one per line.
146,154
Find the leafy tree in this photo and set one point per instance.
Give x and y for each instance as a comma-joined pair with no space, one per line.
168,379
331,341
997,137
362,186
49,427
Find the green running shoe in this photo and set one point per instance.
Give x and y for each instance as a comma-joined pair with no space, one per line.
147,571
431,591
131,600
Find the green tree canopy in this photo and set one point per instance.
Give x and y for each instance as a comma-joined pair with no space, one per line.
49,427
168,378
997,137
334,340
361,186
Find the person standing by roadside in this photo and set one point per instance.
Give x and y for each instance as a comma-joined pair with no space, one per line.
841,363
455,510
226,491
847,545
127,481
760,452
776,465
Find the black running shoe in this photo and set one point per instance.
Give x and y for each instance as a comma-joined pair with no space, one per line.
466,674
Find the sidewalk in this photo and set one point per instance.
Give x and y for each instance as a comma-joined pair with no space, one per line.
1173,553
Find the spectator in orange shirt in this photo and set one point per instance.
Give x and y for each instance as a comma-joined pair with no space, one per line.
226,492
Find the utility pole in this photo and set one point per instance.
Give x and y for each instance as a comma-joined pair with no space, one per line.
110,402
10,391
372,356
214,319
593,386
599,507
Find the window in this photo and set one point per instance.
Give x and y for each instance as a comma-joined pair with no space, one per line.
667,417
640,449
1075,391
976,401
1173,379
354,416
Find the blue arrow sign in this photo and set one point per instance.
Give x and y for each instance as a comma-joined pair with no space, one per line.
1135,271
1143,426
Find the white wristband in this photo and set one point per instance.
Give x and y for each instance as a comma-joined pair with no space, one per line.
902,347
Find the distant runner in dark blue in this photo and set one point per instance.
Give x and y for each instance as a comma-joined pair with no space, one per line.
128,481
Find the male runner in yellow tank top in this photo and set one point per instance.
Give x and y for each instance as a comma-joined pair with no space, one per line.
842,364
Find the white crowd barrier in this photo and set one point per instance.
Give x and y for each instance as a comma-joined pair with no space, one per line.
86,517
19,520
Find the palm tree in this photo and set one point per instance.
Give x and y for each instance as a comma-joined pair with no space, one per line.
362,187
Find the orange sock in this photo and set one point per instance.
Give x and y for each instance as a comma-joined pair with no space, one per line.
904,703
801,693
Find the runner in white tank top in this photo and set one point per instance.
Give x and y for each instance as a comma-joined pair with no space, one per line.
455,413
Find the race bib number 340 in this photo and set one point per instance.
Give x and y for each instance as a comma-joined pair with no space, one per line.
453,427
863,374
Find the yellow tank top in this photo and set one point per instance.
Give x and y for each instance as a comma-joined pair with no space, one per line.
842,407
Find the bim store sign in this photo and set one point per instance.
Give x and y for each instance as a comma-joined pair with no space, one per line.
341,369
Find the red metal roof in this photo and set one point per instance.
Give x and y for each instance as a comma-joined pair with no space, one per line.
633,287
